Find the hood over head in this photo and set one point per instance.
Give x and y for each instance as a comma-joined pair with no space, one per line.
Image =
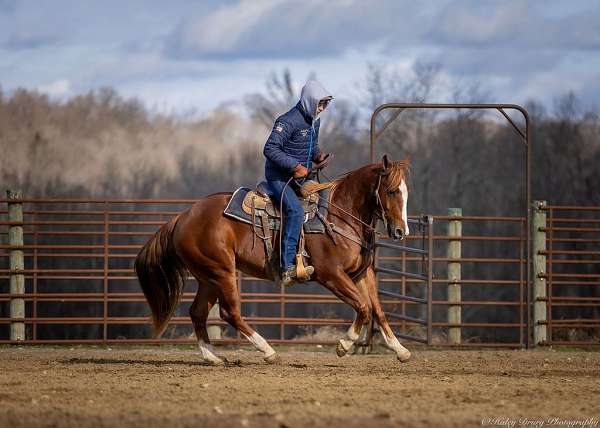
312,93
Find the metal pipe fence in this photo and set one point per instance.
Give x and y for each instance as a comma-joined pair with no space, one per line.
80,287
493,283
572,275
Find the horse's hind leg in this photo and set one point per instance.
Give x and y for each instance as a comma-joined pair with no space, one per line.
203,302
391,341
230,309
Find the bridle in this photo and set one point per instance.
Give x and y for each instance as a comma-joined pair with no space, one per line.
367,244
381,213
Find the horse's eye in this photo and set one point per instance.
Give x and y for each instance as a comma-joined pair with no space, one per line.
392,192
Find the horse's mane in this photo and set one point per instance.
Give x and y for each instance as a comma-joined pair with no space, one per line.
398,170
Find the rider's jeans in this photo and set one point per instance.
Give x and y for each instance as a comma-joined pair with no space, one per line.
293,217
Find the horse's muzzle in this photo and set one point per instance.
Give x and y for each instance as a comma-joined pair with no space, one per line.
398,233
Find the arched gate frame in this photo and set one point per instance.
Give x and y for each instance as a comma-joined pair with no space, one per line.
525,135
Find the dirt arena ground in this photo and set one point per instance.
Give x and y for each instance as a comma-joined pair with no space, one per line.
160,387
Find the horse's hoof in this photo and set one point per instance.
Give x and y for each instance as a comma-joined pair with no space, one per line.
213,361
404,355
273,359
342,350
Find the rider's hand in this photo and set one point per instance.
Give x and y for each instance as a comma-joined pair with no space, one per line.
320,157
300,171
322,160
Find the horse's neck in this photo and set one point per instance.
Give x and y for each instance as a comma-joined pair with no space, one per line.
353,193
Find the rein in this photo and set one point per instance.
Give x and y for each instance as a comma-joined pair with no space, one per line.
381,214
370,226
367,242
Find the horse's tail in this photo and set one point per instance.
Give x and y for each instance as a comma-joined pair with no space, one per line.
161,274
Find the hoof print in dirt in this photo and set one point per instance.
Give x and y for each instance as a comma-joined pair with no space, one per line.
234,363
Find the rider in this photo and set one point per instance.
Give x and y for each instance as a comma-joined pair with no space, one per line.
290,150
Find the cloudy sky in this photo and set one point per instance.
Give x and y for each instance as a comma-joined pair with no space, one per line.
183,55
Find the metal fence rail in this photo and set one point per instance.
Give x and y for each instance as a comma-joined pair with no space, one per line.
572,274
79,284
425,277
492,307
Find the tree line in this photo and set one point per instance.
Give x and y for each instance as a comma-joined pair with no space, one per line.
101,144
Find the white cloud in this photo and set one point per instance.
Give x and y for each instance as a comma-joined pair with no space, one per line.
58,88
178,57
223,29
519,24
292,29
491,23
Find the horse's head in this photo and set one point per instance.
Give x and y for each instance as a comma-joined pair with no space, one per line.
392,196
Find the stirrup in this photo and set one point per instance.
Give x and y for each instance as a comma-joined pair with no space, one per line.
303,273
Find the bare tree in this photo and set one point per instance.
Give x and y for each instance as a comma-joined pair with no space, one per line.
280,97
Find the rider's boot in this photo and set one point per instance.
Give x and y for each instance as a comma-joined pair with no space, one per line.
290,275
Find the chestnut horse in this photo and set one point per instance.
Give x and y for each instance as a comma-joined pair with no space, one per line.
212,247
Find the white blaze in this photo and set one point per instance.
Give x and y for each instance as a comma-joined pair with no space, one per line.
404,191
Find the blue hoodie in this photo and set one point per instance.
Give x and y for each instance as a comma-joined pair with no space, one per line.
295,135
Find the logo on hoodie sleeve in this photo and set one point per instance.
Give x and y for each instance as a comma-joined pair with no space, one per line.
279,127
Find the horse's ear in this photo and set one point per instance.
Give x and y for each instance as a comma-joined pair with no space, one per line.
385,162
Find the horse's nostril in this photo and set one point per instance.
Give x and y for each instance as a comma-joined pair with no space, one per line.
399,233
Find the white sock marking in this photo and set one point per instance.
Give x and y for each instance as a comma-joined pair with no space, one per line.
207,352
351,337
260,343
393,343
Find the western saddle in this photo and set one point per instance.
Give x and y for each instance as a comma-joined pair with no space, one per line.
258,203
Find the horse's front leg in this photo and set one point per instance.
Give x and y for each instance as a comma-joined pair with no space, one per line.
369,283
343,287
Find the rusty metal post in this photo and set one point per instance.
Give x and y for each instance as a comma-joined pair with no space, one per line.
429,278
538,234
403,292
34,325
454,276
105,274
239,279
523,232
17,263
282,311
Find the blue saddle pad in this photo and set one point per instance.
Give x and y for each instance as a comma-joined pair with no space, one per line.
234,210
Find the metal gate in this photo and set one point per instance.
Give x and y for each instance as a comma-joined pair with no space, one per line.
567,280
405,294
525,138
